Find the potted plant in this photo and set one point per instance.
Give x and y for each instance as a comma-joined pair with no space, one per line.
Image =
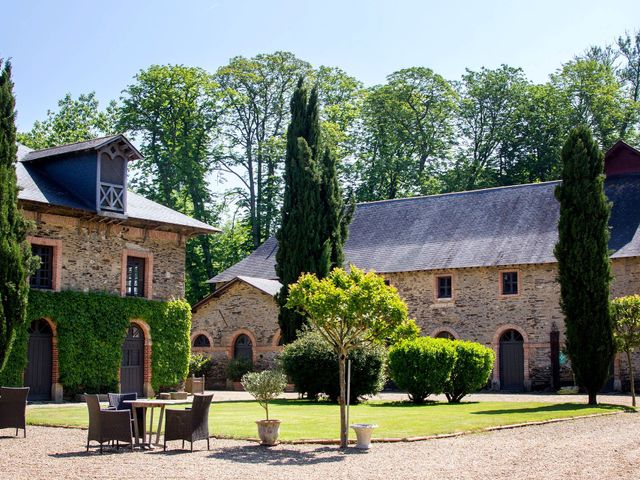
236,368
266,386
199,365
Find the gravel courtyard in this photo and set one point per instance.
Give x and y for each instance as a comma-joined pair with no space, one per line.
601,447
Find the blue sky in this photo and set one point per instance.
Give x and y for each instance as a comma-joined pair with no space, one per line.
80,46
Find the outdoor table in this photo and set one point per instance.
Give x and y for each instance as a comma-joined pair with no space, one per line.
149,404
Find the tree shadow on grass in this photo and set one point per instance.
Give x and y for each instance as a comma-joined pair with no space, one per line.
555,407
282,455
409,404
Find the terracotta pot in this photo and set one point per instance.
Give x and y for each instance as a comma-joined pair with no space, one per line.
237,386
268,431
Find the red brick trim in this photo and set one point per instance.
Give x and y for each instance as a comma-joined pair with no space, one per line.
148,271
450,330
436,299
234,337
57,258
148,352
197,333
495,344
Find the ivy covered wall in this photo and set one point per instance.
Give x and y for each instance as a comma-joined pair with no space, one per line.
91,328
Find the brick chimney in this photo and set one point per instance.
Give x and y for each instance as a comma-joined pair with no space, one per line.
621,159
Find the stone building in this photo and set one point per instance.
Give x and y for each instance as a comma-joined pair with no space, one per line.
93,235
475,265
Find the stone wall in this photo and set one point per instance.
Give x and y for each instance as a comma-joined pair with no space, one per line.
477,312
91,254
238,309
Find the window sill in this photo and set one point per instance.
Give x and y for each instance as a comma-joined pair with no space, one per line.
441,303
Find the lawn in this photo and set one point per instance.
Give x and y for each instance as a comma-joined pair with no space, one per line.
305,420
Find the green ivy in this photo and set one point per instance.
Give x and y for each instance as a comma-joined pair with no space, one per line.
91,328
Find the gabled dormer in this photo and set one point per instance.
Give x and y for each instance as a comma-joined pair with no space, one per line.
94,172
621,159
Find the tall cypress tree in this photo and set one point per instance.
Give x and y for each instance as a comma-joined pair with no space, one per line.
314,220
14,250
584,269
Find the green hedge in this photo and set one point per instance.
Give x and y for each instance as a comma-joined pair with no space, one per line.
471,371
91,328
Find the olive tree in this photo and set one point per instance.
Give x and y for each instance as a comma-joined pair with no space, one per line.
625,314
349,309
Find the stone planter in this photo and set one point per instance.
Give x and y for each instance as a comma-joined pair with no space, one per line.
179,395
194,385
268,431
363,432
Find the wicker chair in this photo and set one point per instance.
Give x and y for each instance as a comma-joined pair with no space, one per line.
189,425
13,408
116,402
107,425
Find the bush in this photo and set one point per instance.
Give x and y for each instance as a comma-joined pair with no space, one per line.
312,366
264,386
471,371
199,365
237,367
422,366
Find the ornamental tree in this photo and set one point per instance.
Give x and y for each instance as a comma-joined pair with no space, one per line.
584,270
15,254
265,386
625,314
349,309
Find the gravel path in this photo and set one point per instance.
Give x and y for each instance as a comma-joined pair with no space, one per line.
601,447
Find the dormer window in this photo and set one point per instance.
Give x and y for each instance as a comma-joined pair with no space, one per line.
112,182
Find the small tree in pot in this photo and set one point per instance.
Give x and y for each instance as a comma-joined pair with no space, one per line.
266,386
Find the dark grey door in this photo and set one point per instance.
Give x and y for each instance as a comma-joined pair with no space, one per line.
132,367
38,373
511,361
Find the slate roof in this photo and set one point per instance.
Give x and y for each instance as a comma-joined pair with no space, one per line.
36,186
93,144
270,287
498,226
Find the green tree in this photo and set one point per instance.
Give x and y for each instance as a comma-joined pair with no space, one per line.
629,75
408,125
254,92
174,110
486,123
625,314
302,245
15,253
582,251
349,310
76,120
595,98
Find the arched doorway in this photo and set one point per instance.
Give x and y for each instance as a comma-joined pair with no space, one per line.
132,367
243,348
38,375
446,335
511,361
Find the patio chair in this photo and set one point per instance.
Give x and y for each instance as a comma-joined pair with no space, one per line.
107,425
189,425
13,408
116,402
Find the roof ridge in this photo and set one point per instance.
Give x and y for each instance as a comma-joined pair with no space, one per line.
463,192
75,143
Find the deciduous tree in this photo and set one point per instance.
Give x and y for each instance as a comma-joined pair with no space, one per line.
625,314
349,310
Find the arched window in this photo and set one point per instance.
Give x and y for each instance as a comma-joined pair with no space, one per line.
511,336
201,341
243,348
445,334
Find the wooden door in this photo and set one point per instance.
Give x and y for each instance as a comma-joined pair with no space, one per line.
132,367
38,373
511,361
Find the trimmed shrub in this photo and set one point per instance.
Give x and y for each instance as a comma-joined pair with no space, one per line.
471,371
422,366
237,367
199,365
312,366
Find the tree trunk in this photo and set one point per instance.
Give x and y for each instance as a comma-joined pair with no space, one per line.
343,401
593,400
631,379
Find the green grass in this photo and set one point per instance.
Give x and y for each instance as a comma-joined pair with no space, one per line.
308,420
